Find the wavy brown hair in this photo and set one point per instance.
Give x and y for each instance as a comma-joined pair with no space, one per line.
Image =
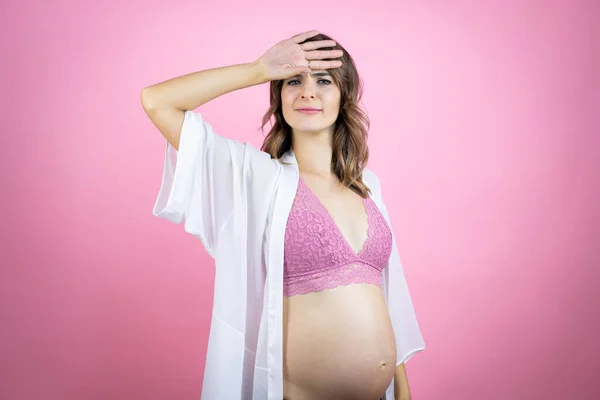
350,150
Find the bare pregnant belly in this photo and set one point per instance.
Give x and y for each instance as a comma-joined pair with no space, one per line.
337,344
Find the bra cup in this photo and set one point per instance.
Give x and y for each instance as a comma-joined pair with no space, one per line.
317,256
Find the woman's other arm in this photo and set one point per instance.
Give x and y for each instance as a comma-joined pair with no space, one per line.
166,102
401,388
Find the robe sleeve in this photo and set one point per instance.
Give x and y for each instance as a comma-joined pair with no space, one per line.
203,182
409,340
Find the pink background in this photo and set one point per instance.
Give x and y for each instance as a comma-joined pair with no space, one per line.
485,135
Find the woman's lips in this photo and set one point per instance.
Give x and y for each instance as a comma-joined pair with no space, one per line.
308,111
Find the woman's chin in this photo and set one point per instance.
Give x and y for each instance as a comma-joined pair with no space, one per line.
309,128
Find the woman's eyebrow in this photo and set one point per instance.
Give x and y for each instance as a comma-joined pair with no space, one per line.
314,74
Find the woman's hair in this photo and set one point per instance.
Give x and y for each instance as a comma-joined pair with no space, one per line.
350,151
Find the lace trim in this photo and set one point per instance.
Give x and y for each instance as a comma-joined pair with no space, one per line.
330,279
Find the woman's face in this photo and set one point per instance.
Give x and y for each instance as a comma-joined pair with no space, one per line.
317,91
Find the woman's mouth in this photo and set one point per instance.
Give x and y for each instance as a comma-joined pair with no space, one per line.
308,110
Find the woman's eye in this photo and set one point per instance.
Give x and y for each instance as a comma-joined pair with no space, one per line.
327,82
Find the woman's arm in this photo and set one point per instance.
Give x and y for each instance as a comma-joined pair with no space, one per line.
401,388
190,91
165,102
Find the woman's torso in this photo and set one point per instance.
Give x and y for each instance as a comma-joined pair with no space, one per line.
338,341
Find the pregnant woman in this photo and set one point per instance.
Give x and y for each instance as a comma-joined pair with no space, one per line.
310,298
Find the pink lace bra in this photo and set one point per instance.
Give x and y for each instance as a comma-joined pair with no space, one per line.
318,257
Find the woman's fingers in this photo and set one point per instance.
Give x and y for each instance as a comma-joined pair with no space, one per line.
315,65
315,45
306,35
316,57
321,54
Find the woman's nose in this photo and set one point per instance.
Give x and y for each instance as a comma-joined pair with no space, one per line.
308,90
308,93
